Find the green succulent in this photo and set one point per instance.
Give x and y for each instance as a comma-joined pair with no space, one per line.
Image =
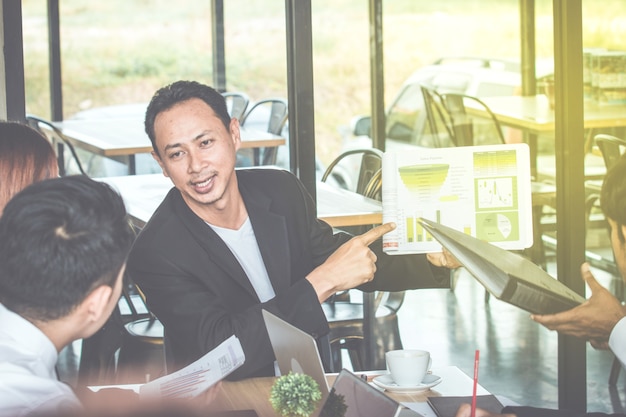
295,395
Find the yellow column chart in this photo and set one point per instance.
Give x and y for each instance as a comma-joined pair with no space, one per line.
425,182
484,191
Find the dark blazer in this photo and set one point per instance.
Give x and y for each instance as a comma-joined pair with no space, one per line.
196,287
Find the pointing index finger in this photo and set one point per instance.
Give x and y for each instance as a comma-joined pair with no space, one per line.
376,233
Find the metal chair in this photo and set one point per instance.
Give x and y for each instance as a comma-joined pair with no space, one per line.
611,148
237,103
269,115
345,318
142,353
60,143
468,130
354,169
437,117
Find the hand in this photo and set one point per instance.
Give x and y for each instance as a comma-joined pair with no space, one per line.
593,320
351,265
465,410
443,258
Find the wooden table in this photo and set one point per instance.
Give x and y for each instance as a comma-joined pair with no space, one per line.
142,194
533,115
254,393
121,138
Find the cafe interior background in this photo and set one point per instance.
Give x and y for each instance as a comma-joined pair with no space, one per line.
120,52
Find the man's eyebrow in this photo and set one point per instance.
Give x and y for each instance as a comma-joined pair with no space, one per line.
179,144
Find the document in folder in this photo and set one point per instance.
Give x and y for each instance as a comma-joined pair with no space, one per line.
506,275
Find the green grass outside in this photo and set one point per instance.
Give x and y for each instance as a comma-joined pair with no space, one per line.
121,51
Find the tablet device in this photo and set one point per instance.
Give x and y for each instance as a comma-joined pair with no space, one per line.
351,396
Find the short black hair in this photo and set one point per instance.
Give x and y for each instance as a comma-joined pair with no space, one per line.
613,194
178,92
60,239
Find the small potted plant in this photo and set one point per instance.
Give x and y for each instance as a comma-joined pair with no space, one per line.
295,395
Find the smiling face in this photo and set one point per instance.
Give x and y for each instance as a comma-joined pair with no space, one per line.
198,154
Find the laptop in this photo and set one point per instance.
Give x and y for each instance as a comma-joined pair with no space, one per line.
295,350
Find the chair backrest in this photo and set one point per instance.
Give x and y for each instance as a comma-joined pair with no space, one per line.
374,187
439,121
270,112
237,104
467,129
60,143
270,115
611,148
354,169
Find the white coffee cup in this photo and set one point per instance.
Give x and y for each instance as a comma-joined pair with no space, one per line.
408,367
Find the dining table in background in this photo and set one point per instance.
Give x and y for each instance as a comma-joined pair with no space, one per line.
121,138
533,115
143,193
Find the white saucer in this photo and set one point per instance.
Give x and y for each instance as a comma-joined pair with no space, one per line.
385,382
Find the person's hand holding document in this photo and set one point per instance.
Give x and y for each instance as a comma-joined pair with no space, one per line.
199,376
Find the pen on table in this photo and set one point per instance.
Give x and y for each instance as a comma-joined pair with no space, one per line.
476,357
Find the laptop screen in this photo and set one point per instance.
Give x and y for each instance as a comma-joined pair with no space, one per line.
295,350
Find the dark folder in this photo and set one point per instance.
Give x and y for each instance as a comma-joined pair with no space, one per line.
506,275
448,406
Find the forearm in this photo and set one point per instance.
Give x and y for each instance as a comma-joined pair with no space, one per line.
405,272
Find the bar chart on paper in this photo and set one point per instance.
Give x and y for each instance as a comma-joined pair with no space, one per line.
483,191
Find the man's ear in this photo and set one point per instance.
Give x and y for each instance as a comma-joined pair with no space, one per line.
235,132
95,305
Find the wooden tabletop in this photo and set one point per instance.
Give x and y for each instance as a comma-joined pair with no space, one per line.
533,113
122,136
339,207
254,393
142,194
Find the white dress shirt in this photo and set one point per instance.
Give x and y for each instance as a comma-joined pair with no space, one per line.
28,381
617,341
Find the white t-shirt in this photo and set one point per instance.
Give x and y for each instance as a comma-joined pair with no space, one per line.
242,243
28,380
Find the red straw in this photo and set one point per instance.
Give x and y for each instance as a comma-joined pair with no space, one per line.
476,356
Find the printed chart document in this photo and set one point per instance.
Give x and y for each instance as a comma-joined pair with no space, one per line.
506,275
199,376
484,191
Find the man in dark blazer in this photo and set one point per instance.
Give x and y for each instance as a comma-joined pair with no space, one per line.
225,244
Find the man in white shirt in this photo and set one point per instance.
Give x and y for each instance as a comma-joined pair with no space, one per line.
602,318
63,249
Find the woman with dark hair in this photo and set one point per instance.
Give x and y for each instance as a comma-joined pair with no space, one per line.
26,156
